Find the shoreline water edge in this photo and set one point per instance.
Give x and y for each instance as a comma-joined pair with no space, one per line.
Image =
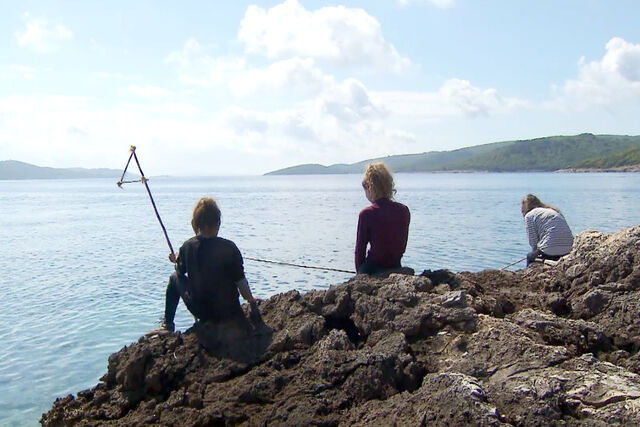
546,344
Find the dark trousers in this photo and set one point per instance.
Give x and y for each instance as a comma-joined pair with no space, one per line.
371,267
176,288
537,253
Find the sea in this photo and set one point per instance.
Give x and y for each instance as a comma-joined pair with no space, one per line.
85,263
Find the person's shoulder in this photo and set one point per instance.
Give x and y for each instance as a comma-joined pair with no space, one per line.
368,210
226,243
534,213
401,206
190,242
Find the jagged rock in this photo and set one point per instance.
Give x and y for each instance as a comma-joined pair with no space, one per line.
548,345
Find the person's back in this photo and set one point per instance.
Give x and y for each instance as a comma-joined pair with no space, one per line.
548,231
214,266
386,226
209,273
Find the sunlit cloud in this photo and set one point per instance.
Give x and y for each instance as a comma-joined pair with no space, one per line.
196,67
146,91
443,4
15,71
455,97
42,36
335,34
612,81
291,75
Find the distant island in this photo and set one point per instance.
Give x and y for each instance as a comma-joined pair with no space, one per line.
580,153
12,169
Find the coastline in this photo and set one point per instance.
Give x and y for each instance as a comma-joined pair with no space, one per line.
535,346
630,168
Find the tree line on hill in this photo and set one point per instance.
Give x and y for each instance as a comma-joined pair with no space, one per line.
13,169
584,151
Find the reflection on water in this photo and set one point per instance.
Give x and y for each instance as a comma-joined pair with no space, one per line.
85,263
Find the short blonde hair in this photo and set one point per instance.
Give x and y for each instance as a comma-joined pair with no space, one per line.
379,181
205,213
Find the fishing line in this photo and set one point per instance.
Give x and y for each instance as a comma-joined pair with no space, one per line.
300,265
144,180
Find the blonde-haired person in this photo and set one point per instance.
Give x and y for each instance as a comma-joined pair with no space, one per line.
384,225
209,273
549,234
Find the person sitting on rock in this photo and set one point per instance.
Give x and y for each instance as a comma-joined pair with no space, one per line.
549,234
384,225
209,273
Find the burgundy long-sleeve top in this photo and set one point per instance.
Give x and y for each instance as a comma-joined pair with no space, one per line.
385,227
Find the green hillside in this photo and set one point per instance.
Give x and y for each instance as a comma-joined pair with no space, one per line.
12,169
547,154
422,162
540,154
626,158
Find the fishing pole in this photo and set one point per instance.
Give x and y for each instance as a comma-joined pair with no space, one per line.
144,180
513,263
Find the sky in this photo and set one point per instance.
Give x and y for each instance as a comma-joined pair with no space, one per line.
242,88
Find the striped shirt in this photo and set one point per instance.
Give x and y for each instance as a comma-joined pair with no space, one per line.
548,231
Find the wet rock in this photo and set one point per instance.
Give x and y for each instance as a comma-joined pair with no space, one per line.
547,345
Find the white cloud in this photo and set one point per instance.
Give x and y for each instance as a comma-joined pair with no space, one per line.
244,122
289,75
443,4
41,36
455,97
146,91
349,103
103,75
15,71
196,67
612,81
337,35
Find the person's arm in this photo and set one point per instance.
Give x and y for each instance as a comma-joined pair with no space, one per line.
406,231
239,278
362,238
532,231
243,287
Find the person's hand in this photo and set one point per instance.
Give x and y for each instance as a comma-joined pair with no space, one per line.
253,300
172,258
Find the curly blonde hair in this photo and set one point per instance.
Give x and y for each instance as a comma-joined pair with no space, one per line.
205,213
379,181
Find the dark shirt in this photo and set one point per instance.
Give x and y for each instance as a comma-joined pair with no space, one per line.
213,266
385,227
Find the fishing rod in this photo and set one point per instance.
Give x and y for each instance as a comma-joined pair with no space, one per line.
144,180
513,263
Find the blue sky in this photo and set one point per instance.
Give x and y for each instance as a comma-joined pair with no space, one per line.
220,87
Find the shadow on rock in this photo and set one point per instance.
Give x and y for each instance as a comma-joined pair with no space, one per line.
236,339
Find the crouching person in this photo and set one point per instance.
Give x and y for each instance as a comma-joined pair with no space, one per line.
209,273
547,230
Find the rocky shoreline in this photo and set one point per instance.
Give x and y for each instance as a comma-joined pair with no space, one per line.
542,346
628,168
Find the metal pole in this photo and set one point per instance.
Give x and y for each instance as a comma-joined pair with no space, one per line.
144,180
155,209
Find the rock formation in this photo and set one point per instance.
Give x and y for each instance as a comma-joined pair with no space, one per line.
540,346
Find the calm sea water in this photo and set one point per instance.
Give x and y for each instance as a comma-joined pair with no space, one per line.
84,264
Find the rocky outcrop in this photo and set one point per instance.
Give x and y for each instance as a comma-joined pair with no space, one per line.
541,346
